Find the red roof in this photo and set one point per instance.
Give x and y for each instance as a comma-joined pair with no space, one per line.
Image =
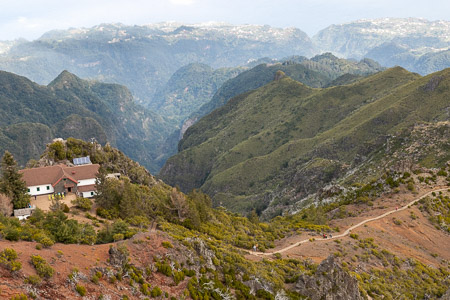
54,174
86,188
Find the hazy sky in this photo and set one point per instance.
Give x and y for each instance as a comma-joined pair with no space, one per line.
31,18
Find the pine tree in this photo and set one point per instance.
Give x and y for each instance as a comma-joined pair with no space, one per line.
12,184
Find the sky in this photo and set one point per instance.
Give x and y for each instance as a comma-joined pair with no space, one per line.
29,19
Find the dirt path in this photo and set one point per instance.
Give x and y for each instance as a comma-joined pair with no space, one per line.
347,232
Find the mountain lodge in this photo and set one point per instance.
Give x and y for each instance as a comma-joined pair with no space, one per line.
61,179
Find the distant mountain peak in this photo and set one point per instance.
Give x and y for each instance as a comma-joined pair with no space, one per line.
279,75
66,80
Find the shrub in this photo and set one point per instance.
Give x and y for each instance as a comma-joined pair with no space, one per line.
156,292
354,236
66,209
164,268
397,221
263,294
103,213
178,277
95,278
33,280
188,273
118,237
11,233
46,242
442,173
8,259
81,290
19,297
139,221
145,289
43,269
82,203
167,244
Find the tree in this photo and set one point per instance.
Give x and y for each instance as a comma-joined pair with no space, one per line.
179,204
12,184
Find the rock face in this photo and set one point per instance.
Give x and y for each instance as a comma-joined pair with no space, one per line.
330,282
118,256
202,250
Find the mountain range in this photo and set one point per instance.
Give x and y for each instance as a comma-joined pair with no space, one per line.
71,107
183,72
274,147
416,44
144,57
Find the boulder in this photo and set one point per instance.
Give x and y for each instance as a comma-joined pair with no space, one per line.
330,282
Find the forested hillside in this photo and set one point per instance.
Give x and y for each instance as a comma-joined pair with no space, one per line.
71,107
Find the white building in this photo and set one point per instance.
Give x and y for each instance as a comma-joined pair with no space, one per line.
61,179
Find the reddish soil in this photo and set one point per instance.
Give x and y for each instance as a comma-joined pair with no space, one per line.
87,259
417,238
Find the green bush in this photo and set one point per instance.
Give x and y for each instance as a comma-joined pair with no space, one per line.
156,292
118,237
65,209
11,233
167,244
82,203
103,213
81,290
44,240
354,236
43,269
263,294
19,297
8,259
164,268
33,280
145,289
178,277
96,277
188,273
397,221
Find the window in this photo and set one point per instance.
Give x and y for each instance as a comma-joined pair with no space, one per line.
28,190
38,189
48,187
92,193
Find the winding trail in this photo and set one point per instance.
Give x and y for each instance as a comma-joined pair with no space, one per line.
347,232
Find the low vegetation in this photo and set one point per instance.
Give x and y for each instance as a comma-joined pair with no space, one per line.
43,269
437,207
8,260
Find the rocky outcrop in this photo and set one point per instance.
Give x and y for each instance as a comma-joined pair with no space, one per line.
330,282
118,256
203,251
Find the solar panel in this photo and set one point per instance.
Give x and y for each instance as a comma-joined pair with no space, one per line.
81,161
